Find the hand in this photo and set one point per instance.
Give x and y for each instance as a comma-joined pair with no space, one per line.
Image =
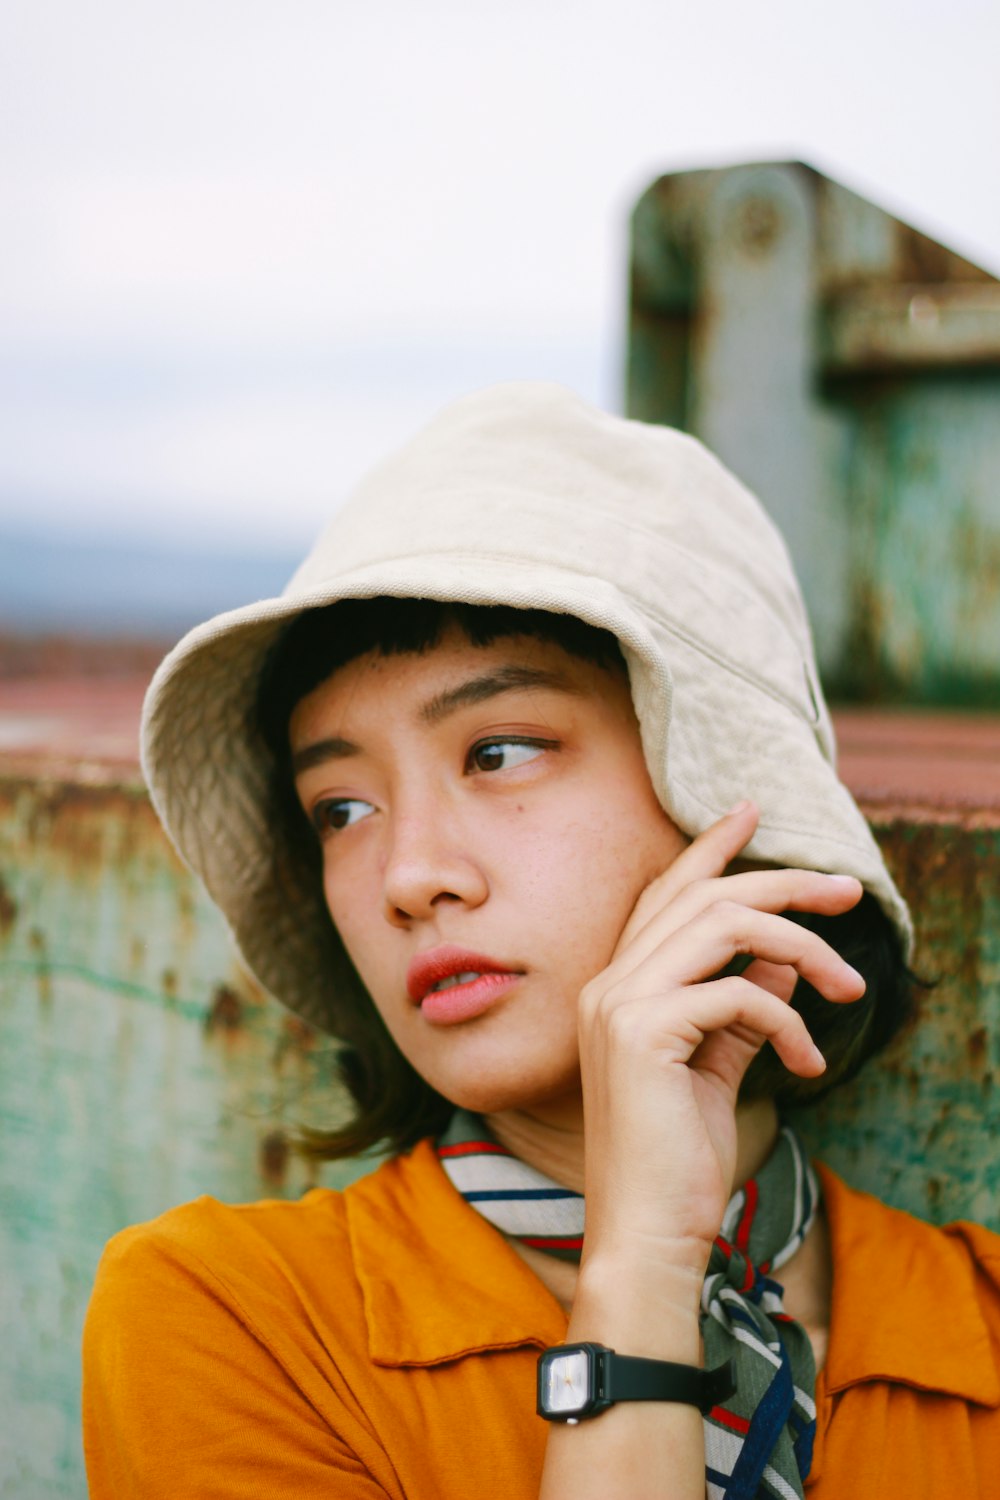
664,1044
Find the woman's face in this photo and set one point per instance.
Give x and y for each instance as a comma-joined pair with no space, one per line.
487,824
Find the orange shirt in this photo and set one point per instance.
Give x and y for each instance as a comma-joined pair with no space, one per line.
382,1342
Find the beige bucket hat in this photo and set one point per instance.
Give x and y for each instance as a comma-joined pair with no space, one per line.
524,495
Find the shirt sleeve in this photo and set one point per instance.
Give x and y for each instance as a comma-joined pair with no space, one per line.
183,1394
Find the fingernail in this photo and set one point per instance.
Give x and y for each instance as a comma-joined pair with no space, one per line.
844,880
740,807
818,1057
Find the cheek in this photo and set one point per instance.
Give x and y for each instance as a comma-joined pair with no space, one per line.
355,909
579,878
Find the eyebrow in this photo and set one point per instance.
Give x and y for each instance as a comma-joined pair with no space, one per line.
474,690
491,685
320,752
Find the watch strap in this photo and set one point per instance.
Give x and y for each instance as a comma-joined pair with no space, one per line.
627,1377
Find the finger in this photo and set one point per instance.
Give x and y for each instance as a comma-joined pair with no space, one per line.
697,951
705,857
727,1052
708,942
690,1027
777,979
764,890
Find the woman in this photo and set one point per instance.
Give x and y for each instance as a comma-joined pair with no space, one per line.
524,790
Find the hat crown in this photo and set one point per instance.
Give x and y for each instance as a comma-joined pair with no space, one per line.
528,472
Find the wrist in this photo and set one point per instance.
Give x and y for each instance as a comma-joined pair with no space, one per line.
642,1310
638,1242
672,1274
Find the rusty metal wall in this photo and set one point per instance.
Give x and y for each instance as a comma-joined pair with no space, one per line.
139,1068
919,1125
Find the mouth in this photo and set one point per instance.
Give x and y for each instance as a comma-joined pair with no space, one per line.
448,968
455,979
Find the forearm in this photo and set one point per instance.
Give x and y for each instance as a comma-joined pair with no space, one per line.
647,1450
664,1046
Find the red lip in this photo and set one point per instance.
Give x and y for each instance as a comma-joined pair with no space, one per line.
428,969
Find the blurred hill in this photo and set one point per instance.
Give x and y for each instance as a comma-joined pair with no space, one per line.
61,586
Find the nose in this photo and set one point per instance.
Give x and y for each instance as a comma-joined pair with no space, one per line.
428,865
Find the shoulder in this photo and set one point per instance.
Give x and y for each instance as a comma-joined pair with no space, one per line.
232,1339
886,1263
911,1382
268,1291
862,1220
211,1285
237,1252
205,1240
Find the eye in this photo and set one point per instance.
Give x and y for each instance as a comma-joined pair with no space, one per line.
504,755
335,813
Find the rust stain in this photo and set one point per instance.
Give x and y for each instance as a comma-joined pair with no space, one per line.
226,1010
918,258
39,948
272,1157
975,1046
756,224
8,909
296,1036
84,825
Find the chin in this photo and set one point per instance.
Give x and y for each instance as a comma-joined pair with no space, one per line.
518,1090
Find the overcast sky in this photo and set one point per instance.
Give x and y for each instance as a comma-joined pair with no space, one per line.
248,246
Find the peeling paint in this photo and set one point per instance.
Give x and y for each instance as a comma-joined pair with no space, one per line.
226,1010
273,1154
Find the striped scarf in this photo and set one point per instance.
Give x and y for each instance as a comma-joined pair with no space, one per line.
759,1444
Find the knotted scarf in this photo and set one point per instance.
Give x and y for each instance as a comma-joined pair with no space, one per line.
760,1442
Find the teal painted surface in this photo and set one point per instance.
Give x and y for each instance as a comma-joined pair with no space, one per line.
924,499
848,368
139,1068
919,1126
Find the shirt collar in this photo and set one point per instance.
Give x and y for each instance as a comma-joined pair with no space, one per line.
905,1303
437,1280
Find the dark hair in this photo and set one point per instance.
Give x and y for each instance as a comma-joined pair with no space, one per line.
394,1106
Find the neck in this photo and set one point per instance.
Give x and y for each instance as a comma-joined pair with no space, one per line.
553,1143
551,1140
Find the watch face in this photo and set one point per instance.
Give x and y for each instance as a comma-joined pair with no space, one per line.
566,1382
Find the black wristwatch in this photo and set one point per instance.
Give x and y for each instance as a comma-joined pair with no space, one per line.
576,1381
